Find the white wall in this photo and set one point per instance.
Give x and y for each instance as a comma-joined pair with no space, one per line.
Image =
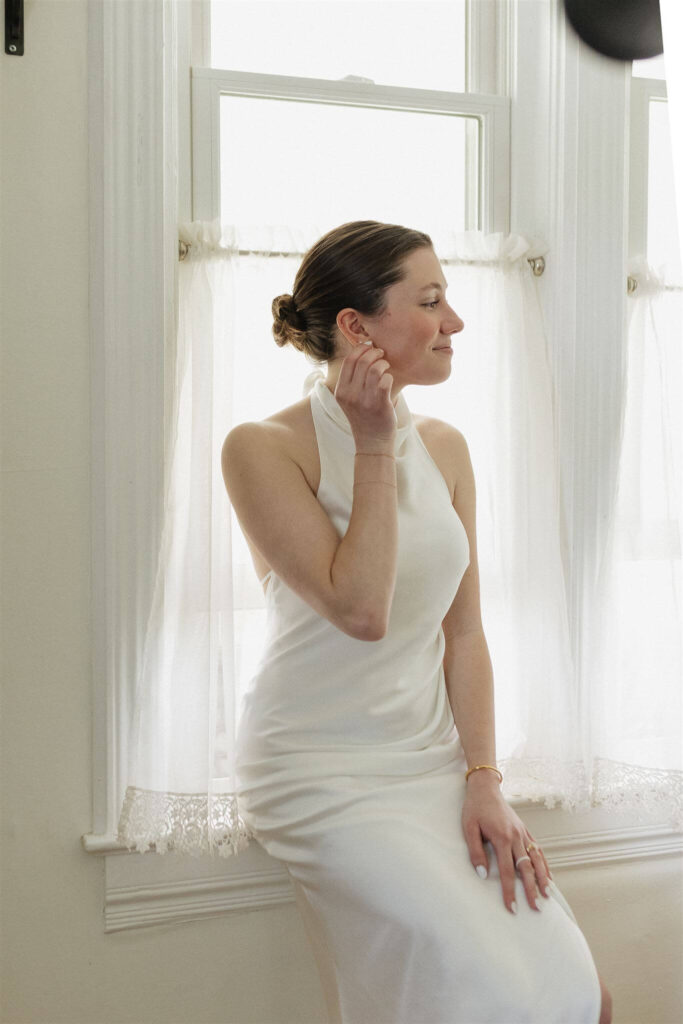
58,965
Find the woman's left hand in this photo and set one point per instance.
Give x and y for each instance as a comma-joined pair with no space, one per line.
487,816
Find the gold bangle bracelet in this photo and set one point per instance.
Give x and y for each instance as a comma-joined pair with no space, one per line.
478,766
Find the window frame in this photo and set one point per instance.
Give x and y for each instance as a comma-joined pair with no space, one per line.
487,206
643,90
143,62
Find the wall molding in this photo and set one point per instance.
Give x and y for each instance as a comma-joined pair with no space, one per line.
143,890
134,906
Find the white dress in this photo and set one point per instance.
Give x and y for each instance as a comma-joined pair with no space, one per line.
351,772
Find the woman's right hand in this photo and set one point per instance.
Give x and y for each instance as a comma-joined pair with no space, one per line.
364,393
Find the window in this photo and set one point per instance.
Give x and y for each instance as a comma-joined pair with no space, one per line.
519,49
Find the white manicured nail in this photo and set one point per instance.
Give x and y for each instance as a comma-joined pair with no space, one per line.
546,891
513,906
481,871
538,905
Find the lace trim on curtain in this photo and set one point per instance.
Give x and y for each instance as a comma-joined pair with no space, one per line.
191,823
622,786
615,785
191,827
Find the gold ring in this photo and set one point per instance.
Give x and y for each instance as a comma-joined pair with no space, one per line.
532,846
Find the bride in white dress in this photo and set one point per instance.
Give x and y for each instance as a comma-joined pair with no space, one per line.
366,753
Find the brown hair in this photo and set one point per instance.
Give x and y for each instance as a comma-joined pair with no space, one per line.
352,265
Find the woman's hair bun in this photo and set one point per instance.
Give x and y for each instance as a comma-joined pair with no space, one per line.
288,323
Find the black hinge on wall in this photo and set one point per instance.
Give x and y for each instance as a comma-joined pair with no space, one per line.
14,27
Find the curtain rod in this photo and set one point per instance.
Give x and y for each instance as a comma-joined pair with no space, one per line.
537,263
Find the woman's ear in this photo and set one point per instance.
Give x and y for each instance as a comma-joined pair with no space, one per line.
351,327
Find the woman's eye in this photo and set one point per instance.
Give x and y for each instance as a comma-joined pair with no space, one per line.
431,305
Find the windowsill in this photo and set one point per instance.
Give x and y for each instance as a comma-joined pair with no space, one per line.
148,889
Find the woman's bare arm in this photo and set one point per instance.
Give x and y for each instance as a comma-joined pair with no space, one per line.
348,581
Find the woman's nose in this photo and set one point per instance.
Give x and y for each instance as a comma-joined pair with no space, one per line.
455,324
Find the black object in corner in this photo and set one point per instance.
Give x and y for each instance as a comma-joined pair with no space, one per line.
14,28
622,29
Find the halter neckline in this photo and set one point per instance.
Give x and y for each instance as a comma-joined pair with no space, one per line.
335,413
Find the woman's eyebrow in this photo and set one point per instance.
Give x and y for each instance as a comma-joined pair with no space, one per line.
433,285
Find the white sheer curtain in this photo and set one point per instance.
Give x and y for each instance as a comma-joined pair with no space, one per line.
635,717
204,630
500,395
181,786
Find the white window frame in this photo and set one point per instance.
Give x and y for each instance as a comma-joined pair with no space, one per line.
487,206
643,90
142,60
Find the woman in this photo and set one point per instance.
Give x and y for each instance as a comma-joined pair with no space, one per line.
366,750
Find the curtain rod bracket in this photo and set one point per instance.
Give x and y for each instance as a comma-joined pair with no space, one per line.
537,265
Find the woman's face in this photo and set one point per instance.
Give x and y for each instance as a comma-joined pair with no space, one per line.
415,329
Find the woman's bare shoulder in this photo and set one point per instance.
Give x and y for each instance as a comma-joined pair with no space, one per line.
289,433
441,439
280,426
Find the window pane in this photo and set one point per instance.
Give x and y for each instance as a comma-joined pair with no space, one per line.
653,67
421,45
317,166
662,225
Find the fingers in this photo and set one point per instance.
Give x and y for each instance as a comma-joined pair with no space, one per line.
528,877
529,864
506,870
375,370
355,364
365,369
480,861
539,865
386,384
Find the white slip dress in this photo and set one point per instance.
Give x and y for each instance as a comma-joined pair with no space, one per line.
351,772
